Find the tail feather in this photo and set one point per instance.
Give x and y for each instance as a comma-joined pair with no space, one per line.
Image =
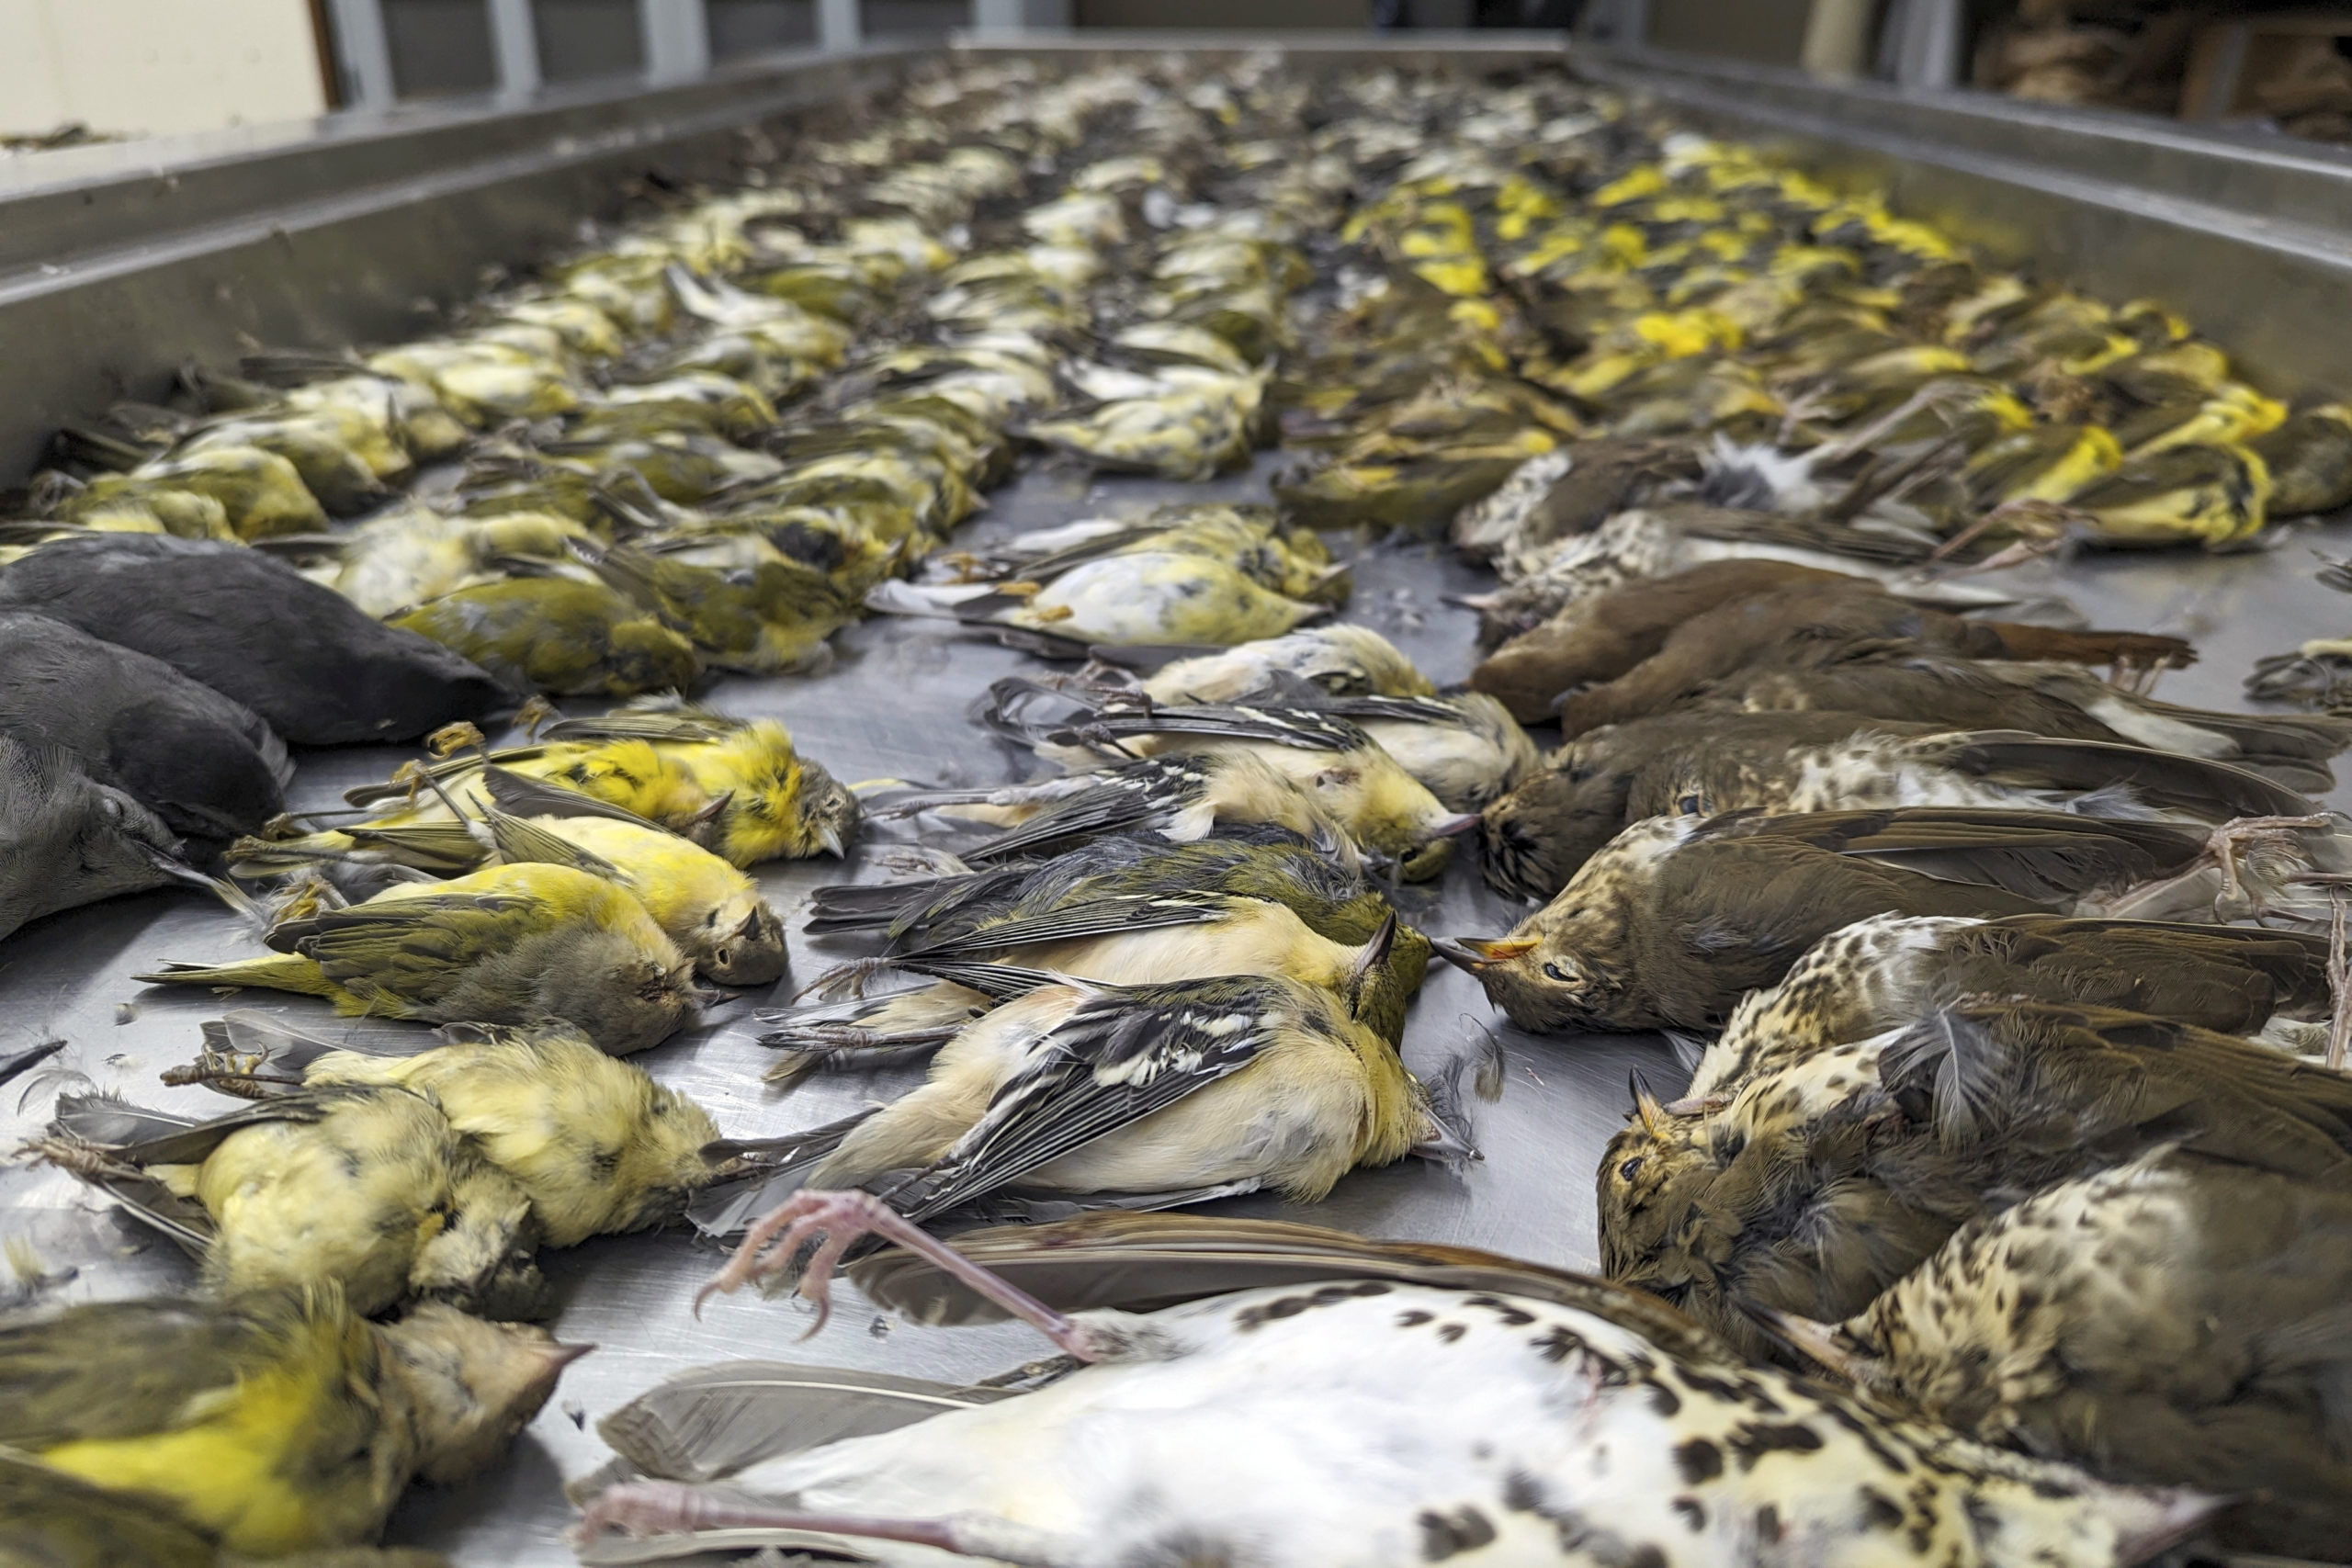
278,972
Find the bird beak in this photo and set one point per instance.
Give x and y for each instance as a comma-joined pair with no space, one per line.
1442,1141
1368,960
1475,952
709,813
559,1355
1454,826
830,838
1646,1105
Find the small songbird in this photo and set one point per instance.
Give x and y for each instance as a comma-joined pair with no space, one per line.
1703,761
278,1422
711,909
208,766
308,661
1824,1182
369,1190
2177,1319
511,944
560,635
1671,922
1149,599
593,1143
1878,973
2060,700
1344,658
1178,1090
1331,758
1189,912
1604,635
2310,459
1250,1392
736,787
1806,625
1178,799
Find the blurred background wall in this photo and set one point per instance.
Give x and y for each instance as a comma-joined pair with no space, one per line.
155,66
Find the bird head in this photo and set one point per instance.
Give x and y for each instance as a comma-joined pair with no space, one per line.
471,1385
1646,1178
1552,982
742,943
1532,839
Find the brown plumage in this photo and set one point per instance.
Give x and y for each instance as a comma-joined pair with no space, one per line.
1822,1184
1703,760
2175,1319
1604,636
1880,974
2047,699
1678,916
1807,624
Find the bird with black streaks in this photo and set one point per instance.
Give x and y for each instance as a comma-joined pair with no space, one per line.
2175,1319
1676,918
1254,1393
1826,1180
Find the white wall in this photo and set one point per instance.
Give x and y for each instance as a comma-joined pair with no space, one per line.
156,66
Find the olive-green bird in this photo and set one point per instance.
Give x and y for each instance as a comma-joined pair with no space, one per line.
51,1519
559,634
593,1143
275,1423
711,909
770,618
511,944
370,1189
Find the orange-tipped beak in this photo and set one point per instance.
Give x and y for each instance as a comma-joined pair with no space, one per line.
1473,954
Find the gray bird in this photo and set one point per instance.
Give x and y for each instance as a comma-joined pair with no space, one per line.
66,841
206,764
311,663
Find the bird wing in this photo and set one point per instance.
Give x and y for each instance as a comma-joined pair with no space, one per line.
68,1379
655,719
1304,729
520,842
711,1422
2167,780
1122,1055
522,796
143,1137
1144,1263
2035,855
418,948
1092,917
1122,799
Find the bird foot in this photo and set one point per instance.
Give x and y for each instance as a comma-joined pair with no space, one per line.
672,1507
844,1218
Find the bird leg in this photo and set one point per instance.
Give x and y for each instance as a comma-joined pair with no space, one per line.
2339,986
844,1218
672,1507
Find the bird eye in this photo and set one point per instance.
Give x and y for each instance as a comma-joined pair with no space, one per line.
1690,804
1630,1169
722,957
1565,977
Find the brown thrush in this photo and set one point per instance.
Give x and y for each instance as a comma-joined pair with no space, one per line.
2178,1318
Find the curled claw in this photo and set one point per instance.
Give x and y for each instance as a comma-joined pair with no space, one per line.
768,1248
